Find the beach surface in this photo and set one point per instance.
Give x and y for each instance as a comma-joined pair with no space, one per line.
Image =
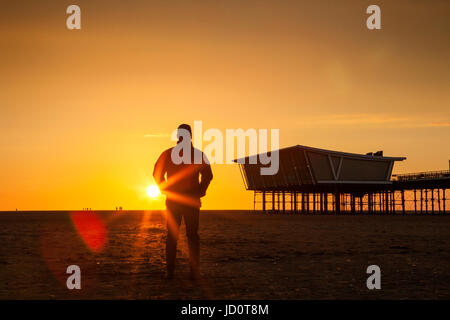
244,255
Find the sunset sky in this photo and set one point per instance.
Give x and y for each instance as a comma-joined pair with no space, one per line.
84,114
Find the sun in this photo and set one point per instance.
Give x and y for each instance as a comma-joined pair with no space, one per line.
153,191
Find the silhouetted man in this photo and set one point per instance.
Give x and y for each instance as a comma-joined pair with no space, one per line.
183,174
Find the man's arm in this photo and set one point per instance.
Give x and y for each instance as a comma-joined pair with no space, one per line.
159,171
206,177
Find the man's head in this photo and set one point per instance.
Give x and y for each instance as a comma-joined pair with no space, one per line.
184,130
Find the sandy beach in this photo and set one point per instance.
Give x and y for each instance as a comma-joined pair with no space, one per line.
244,255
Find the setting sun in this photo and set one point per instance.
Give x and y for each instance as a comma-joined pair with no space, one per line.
153,191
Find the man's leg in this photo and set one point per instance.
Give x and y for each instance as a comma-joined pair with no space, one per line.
191,218
173,228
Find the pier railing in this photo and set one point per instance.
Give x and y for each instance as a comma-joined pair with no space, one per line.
421,175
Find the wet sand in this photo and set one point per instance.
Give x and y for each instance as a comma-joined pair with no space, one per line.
243,256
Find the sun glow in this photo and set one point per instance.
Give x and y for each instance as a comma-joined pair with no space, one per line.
153,191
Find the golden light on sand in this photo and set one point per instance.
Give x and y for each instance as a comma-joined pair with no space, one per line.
153,191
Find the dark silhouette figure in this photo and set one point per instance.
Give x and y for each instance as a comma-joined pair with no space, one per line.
183,184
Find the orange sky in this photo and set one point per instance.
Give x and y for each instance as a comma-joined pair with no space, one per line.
76,106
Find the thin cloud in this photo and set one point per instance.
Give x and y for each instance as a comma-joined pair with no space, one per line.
156,135
440,124
374,120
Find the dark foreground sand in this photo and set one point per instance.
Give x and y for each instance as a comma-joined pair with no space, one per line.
244,256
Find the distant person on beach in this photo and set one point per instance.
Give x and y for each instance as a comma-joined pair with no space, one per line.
184,179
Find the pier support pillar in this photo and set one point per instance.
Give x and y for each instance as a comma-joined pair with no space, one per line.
403,202
415,201
439,200
337,201
386,201
443,199
273,201
352,204
295,201
264,201
432,201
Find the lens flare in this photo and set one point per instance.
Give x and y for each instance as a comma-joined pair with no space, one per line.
91,229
